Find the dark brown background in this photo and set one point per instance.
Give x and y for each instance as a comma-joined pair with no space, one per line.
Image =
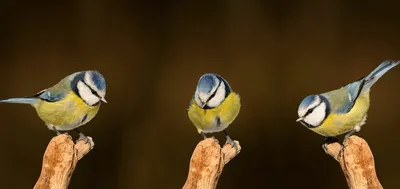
272,53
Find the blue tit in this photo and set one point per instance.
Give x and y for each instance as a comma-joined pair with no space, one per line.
71,103
214,106
341,111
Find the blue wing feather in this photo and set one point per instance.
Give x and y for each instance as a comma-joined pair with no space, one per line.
348,95
353,91
47,95
58,91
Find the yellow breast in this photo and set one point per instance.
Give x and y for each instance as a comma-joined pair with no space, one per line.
338,124
216,119
66,114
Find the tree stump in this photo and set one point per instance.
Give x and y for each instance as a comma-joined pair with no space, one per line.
357,163
59,161
207,162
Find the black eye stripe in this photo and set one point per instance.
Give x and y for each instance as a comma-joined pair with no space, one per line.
92,90
212,95
327,111
311,110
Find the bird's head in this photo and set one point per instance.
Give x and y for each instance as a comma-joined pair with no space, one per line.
313,110
90,86
211,91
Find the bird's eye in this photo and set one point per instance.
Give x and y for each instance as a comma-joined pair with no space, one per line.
309,111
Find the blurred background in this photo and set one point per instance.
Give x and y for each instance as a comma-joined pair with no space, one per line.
273,53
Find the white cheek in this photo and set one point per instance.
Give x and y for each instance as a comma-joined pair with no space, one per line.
86,94
203,97
218,97
317,116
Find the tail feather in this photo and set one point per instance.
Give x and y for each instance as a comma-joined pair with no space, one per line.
379,72
20,100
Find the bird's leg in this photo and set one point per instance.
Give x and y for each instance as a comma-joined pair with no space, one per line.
203,135
346,137
83,137
230,141
55,130
328,140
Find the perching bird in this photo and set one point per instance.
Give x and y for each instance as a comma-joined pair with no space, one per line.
71,103
342,111
214,106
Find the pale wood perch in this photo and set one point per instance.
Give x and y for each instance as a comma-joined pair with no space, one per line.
357,163
207,162
59,161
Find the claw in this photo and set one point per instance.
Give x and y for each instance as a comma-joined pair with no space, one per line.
325,147
328,140
85,139
342,148
231,142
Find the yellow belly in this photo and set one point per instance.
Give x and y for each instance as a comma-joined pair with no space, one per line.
338,124
206,120
66,114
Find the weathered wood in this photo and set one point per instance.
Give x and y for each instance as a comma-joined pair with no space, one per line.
59,161
357,163
207,162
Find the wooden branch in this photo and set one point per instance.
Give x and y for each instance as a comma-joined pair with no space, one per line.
357,163
59,161
207,162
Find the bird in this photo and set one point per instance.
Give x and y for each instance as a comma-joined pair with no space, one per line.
341,111
69,104
214,106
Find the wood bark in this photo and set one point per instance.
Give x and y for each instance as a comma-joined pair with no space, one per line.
357,162
59,161
207,162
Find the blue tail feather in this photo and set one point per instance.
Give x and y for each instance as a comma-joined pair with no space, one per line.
20,100
379,72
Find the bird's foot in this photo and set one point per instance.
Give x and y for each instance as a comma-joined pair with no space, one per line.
55,130
346,138
328,140
341,149
203,135
85,139
232,143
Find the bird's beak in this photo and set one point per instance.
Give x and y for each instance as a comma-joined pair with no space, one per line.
104,100
300,119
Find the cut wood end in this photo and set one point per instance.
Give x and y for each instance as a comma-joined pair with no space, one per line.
228,149
59,161
357,163
231,151
63,138
354,144
333,149
81,146
206,149
84,147
207,163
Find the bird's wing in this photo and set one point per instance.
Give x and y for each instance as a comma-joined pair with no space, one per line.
56,92
343,99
